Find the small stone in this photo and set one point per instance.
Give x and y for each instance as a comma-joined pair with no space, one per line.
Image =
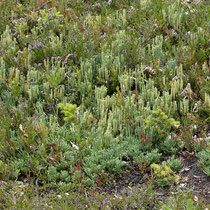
195,198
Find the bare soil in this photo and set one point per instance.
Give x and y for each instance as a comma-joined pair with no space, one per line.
191,178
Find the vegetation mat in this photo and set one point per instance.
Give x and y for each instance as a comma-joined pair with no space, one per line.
104,104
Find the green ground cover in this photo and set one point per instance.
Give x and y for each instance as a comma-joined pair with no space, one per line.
90,89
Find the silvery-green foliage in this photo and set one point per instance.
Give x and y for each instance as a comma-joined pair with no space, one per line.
203,156
173,15
8,42
52,174
2,69
168,146
157,51
174,164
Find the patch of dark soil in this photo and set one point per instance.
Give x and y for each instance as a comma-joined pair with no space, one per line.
192,178
128,178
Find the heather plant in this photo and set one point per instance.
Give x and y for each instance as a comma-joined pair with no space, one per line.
200,143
